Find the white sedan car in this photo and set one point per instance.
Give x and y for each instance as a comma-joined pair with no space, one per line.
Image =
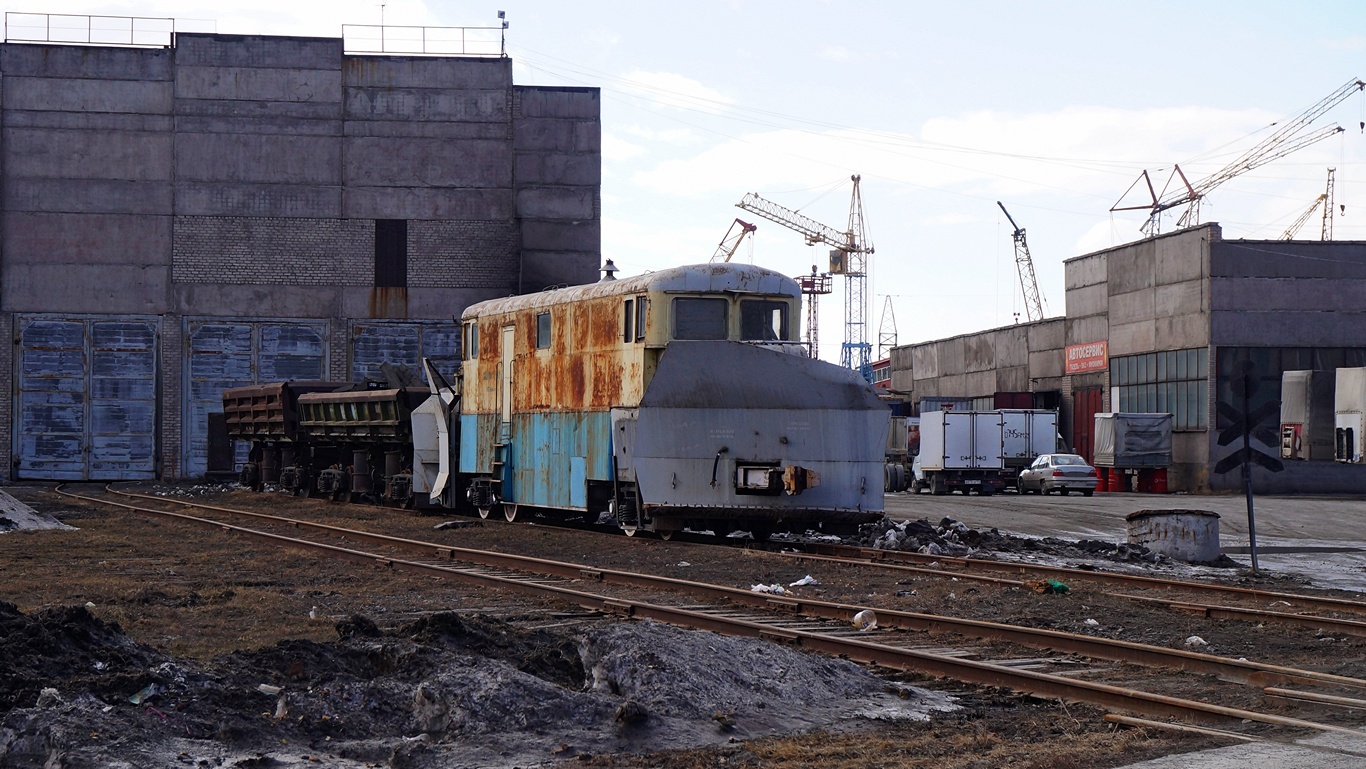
1058,472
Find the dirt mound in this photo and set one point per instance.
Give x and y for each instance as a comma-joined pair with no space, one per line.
444,690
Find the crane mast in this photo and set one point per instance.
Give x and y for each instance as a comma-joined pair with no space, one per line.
1024,265
1327,232
849,258
1290,137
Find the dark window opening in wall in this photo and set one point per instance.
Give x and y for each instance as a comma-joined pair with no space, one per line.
391,253
640,318
629,334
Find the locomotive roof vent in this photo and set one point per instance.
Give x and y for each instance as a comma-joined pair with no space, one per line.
609,271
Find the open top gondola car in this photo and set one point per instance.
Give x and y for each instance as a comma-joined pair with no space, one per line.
679,398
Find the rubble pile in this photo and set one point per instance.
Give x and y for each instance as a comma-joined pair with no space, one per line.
444,690
953,538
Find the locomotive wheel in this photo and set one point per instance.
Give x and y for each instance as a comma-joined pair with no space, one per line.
761,533
667,534
484,512
510,511
630,531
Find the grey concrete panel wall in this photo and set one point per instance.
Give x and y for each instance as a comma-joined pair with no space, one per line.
1012,379
258,158
1289,329
71,95
925,361
1093,328
1132,338
1131,268
81,239
275,124
76,62
258,51
1046,364
427,72
557,202
1294,294
1270,259
555,135
244,83
1048,334
978,384
113,288
558,169
259,200
125,155
1183,257
1012,346
95,196
1180,298
543,269
565,103
7,382
1088,300
429,130
80,121
428,104
903,368
229,300
433,203
979,352
1084,271
564,235
1132,307
248,110
1180,332
372,162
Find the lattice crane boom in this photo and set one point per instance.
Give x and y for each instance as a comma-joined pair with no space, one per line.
1295,226
853,250
730,243
1024,265
1327,231
1290,137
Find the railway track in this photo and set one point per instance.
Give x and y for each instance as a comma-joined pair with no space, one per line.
1194,594
822,626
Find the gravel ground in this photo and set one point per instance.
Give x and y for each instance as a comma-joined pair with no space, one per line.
257,657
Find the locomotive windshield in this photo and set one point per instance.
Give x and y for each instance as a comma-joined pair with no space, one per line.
763,320
698,318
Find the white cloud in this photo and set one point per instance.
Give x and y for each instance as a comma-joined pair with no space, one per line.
616,149
835,53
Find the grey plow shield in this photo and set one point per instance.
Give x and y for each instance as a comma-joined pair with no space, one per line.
716,410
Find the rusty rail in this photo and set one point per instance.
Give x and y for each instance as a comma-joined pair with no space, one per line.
1041,684
877,556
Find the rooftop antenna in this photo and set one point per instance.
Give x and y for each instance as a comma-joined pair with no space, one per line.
503,35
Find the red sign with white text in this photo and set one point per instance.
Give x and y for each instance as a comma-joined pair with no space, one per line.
1087,357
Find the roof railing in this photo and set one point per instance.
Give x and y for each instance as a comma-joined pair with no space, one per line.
73,29
424,41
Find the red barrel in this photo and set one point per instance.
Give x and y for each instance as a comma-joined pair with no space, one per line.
1102,480
1118,480
1159,482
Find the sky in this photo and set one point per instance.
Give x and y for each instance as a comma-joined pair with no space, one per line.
942,109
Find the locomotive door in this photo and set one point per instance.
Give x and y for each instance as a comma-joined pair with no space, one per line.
506,394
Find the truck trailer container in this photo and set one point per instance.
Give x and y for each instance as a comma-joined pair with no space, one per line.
1027,433
1349,428
961,451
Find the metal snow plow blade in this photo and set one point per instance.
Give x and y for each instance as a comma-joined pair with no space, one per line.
725,426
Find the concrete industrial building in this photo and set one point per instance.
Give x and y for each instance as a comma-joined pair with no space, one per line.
225,210
1162,325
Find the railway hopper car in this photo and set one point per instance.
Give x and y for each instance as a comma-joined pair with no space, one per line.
679,398
344,441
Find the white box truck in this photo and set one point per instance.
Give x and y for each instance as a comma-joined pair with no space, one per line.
1349,427
1027,433
1307,415
961,451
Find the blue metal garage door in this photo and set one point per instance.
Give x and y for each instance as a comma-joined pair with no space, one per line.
223,353
86,398
406,343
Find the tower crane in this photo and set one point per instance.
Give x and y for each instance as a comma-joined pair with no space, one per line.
886,330
1293,135
730,243
849,258
1024,265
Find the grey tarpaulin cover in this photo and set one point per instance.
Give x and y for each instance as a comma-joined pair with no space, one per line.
1133,440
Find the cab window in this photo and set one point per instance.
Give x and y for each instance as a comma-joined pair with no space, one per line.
471,341
763,319
700,318
543,331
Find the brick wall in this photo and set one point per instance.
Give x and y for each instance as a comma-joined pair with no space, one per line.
273,251
462,254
